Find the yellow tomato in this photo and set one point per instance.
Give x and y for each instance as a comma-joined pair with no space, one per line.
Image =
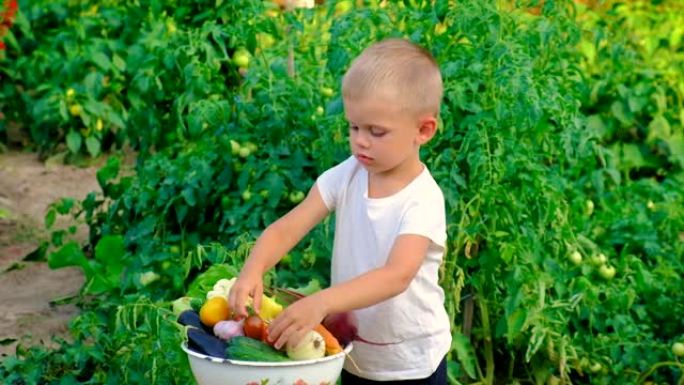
327,91
75,109
241,58
266,40
234,147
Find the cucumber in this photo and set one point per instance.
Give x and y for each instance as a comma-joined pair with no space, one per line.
248,349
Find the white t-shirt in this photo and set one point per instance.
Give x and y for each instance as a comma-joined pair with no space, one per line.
365,230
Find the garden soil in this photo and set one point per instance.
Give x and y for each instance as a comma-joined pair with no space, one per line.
32,295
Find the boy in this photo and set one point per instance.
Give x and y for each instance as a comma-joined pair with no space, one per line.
390,229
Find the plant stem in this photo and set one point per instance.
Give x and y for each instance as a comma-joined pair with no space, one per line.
487,335
644,376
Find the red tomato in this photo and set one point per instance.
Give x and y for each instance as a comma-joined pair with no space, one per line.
254,327
264,335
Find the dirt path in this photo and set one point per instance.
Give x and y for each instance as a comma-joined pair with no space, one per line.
27,187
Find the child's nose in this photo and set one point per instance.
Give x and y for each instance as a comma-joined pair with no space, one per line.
361,139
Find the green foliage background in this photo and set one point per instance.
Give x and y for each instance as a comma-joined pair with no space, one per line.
560,132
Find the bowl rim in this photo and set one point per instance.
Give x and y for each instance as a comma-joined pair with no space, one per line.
184,346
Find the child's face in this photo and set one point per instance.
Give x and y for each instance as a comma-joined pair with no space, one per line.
383,137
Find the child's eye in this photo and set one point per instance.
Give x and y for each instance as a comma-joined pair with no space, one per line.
377,132
353,127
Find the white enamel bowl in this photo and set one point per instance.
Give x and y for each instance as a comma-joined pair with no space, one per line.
217,371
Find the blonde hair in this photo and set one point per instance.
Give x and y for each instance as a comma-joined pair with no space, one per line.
406,70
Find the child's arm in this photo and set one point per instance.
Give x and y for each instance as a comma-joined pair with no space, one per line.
276,240
377,285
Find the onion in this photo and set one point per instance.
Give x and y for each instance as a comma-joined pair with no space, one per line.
226,330
310,347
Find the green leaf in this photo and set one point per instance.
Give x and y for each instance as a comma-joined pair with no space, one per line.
659,128
69,255
115,119
676,37
621,114
536,340
50,217
65,205
596,126
516,324
188,194
676,145
74,141
275,185
119,63
441,7
205,281
464,352
313,286
110,251
97,284
63,111
588,50
93,145
507,251
335,107
631,156
101,60
181,211
108,172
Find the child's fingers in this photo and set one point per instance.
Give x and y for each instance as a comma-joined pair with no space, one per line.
237,301
296,337
277,326
256,298
286,335
232,303
286,329
232,300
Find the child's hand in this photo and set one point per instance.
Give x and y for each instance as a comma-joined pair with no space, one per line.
290,326
246,286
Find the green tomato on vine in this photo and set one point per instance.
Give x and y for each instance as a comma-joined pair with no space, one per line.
607,272
575,257
241,58
678,349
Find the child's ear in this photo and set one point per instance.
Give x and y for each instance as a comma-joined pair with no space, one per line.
427,129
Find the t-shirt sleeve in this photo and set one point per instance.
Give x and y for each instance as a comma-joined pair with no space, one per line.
331,183
426,217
